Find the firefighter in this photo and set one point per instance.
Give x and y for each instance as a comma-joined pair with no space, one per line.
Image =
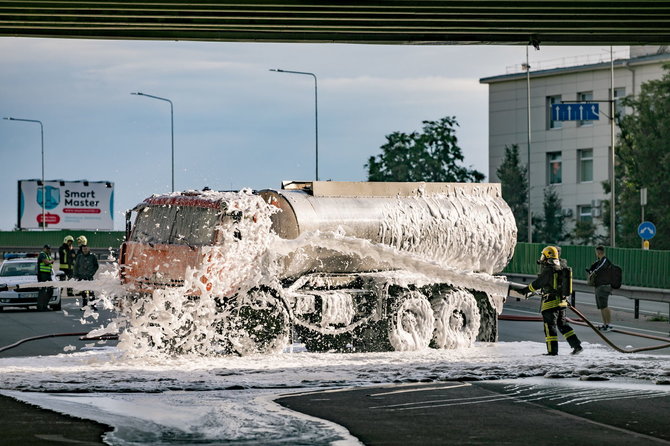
81,241
66,256
549,284
44,274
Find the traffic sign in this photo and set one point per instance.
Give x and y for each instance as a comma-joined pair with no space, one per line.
577,111
646,230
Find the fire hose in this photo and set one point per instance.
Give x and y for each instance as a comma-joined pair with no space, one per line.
585,322
82,336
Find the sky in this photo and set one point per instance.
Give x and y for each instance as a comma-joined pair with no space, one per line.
236,124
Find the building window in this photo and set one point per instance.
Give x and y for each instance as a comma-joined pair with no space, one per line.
583,97
619,94
551,124
555,168
585,213
585,167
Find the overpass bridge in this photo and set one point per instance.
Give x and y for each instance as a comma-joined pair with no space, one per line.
546,22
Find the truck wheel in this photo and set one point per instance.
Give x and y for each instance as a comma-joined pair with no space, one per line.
260,325
456,320
411,322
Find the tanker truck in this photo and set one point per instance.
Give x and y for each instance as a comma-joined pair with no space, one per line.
345,266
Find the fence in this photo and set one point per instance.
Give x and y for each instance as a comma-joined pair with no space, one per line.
641,268
100,242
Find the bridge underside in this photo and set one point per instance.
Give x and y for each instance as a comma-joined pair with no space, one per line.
544,22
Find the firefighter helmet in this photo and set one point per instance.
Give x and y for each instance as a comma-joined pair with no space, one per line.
548,253
81,240
68,238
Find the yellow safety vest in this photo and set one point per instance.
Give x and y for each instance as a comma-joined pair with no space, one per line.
46,267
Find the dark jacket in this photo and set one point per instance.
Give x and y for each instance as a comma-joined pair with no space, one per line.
66,256
602,271
85,266
548,281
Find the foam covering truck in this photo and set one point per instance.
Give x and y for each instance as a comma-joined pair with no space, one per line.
345,266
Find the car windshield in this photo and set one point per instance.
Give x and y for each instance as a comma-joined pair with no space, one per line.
183,225
18,269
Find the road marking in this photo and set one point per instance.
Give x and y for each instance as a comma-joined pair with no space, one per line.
448,403
422,389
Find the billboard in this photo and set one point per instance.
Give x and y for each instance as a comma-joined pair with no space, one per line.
66,204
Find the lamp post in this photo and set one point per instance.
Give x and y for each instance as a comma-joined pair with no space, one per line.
316,112
530,215
613,172
42,139
139,93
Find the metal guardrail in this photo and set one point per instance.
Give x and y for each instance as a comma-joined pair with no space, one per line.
634,293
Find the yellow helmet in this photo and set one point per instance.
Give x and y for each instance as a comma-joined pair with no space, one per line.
550,252
81,240
68,238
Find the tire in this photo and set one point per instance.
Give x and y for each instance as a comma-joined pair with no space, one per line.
56,307
411,322
259,324
457,319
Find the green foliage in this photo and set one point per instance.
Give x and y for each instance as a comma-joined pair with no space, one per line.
643,157
514,184
432,155
584,233
549,229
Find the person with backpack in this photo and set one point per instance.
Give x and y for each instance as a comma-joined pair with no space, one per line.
600,278
553,283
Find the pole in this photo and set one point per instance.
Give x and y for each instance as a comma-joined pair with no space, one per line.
44,198
530,217
42,142
316,128
139,93
316,113
172,142
613,173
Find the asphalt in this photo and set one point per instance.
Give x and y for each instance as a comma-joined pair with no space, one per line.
27,425
374,417
487,412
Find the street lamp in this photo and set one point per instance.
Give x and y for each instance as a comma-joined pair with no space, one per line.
42,138
139,93
530,215
316,111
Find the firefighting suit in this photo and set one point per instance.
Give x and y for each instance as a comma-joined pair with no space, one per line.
554,304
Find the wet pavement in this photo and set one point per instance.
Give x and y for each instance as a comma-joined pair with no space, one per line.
488,412
536,410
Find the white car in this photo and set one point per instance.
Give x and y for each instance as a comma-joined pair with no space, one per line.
19,271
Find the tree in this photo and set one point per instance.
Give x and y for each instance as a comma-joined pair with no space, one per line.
514,185
643,158
432,155
584,233
549,229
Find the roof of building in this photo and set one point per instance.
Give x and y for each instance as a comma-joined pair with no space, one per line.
642,60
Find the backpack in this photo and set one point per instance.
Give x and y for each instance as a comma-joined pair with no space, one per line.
566,281
615,276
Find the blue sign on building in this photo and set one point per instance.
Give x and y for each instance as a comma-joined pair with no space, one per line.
578,111
646,230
